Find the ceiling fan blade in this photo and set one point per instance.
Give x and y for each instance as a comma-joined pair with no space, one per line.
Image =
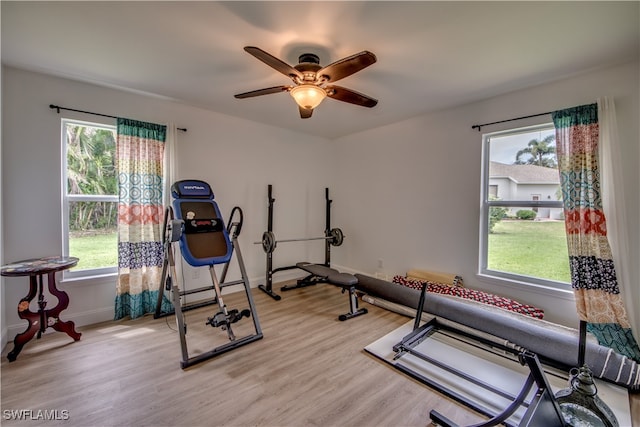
273,62
351,96
305,113
347,66
266,91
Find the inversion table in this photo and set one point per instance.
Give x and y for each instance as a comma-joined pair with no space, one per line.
204,241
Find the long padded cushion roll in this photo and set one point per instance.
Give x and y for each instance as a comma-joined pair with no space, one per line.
549,341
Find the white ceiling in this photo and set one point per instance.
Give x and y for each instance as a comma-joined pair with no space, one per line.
431,55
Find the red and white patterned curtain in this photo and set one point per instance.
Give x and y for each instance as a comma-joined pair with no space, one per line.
593,274
140,157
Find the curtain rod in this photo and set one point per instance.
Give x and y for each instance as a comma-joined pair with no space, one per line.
58,108
509,120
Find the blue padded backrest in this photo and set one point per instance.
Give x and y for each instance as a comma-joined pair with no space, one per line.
205,240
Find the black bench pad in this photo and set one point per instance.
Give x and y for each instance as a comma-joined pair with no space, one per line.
342,279
331,275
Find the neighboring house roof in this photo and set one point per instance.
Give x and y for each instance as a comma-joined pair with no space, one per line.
524,174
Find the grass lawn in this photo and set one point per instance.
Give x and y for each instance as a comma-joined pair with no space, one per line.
95,250
530,248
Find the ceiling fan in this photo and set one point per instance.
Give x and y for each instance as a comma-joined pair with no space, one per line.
312,82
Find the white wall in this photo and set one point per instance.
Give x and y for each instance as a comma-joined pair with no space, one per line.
409,192
3,319
238,158
406,194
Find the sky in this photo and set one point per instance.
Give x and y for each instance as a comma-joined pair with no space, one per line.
503,149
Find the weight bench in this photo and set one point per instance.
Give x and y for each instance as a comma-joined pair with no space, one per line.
323,274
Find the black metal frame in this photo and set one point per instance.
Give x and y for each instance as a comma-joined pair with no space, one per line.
354,310
58,108
270,271
541,411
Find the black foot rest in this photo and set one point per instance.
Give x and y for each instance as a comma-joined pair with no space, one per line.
219,319
345,280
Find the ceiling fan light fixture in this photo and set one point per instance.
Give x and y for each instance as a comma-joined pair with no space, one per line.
311,80
308,96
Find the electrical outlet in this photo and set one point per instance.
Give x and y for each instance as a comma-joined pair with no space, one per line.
380,263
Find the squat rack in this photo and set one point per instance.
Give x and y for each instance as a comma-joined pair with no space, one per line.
332,237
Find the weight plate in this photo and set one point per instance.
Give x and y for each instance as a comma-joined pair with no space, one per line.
336,237
268,242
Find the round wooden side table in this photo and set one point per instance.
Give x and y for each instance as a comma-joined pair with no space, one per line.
44,318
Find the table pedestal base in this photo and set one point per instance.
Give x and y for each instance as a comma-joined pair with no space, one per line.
43,318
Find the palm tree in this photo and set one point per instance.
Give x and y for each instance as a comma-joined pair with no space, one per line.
541,153
90,170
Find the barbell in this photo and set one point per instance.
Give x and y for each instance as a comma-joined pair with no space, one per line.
269,241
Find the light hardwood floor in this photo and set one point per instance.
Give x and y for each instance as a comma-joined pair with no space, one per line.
308,370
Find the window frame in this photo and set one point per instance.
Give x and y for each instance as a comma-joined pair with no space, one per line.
486,204
68,198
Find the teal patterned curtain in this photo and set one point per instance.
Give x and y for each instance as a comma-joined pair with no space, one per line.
593,275
140,156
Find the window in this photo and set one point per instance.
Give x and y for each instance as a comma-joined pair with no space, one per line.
535,198
90,205
522,224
